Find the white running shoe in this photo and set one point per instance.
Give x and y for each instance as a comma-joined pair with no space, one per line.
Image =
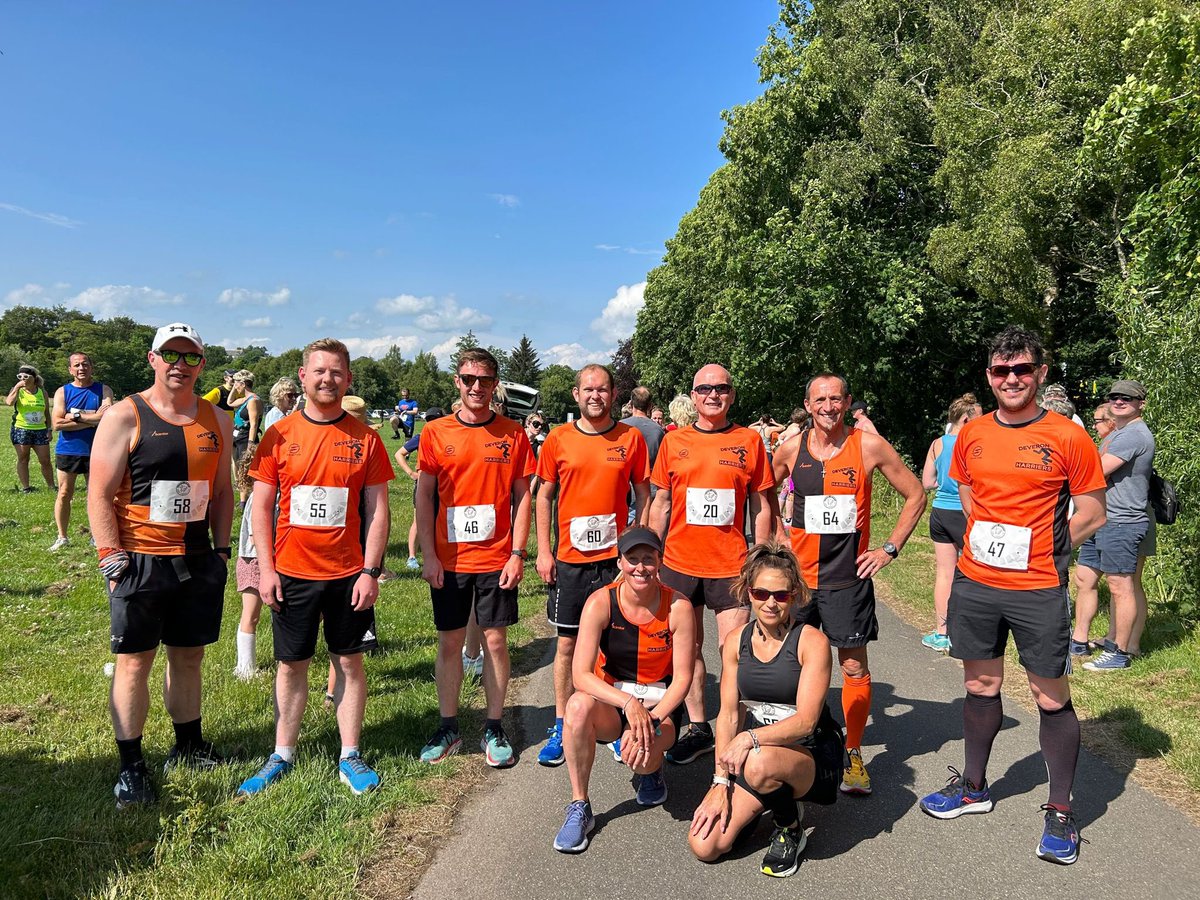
59,544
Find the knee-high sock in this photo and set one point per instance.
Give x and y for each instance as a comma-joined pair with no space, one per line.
1059,737
856,706
981,723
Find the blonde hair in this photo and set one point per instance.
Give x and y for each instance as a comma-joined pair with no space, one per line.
777,557
281,387
245,376
682,411
961,407
327,345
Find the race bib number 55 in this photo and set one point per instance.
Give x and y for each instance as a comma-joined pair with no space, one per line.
316,506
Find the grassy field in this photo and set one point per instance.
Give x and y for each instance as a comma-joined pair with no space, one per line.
1149,712
307,837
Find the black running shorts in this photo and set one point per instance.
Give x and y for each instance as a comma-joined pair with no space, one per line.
980,617
305,603
460,591
172,600
828,751
846,615
947,526
72,464
715,593
575,583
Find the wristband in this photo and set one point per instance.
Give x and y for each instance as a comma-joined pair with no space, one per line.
113,562
228,551
721,780
626,706
754,741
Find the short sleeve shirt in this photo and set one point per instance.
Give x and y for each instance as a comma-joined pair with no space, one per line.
475,467
1024,475
593,473
406,408
1129,486
321,470
710,474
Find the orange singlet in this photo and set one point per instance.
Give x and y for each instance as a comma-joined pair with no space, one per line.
640,653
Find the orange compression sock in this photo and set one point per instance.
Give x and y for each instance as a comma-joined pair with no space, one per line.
856,706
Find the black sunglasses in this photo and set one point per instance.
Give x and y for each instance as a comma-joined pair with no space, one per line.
485,380
1123,398
705,389
1021,370
170,357
762,595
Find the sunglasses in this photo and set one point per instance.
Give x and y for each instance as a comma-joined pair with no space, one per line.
1098,422
535,424
484,380
1021,370
1121,398
705,389
762,595
170,357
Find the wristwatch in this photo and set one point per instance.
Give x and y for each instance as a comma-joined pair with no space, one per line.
521,553
374,572
76,416
891,549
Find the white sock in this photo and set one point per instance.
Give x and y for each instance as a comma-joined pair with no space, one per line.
245,650
346,751
285,753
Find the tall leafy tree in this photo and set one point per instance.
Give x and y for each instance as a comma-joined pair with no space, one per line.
625,373
556,399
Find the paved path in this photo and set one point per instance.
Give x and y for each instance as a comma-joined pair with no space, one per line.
882,846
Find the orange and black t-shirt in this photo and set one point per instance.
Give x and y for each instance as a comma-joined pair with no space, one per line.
709,474
320,470
593,473
641,653
831,518
475,467
162,501
1022,478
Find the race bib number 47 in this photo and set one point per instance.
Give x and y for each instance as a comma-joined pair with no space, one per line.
1001,546
316,506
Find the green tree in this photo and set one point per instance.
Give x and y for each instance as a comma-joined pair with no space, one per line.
523,364
371,383
556,399
625,374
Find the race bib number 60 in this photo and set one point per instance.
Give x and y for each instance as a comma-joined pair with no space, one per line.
594,532
316,506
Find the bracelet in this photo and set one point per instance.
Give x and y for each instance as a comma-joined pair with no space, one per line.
626,706
754,741
721,780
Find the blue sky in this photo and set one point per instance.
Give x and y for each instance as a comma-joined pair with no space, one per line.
380,172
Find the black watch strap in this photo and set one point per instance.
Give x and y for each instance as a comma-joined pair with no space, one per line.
373,572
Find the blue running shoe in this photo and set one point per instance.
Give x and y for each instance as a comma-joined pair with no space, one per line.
652,789
957,798
615,747
443,743
1080,648
935,641
133,787
573,836
274,769
552,754
497,751
1060,839
1109,661
356,774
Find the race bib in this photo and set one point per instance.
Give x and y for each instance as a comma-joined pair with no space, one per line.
830,513
34,418
314,506
710,506
1001,546
594,532
467,524
769,713
649,694
178,501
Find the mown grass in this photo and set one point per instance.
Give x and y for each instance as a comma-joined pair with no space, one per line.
1153,708
307,837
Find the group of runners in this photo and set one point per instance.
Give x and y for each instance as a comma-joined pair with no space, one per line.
634,547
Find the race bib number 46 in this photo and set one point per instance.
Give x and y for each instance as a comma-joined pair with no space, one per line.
467,524
830,514
594,532
178,501
710,506
1001,546
316,506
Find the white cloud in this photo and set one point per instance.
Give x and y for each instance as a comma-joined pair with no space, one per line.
635,251
447,315
122,299
619,316
356,318
403,305
321,322
509,200
29,295
445,350
575,355
379,346
232,297
260,322
51,218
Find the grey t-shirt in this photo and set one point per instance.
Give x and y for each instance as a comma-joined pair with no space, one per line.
1129,486
653,436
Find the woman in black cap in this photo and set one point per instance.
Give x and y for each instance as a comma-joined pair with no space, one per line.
632,668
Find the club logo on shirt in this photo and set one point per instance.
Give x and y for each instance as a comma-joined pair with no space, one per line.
293,449
848,473
976,452
159,433
503,446
620,451
665,637
449,451
1044,453
737,451
683,454
213,445
354,447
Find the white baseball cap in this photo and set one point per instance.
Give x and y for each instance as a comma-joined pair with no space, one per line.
176,330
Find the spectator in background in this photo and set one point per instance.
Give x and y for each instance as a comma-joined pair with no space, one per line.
682,411
404,416
858,413
283,399
1062,406
77,410
657,417
1057,391
402,455
640,417
535,426
219,396
30,425
247,425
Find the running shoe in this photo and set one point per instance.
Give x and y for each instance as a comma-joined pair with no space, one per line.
472,665
1080,648
855,779
356,774
691,746
443,743
958,797
58,544
783,853
935,641
133,787
244,673
615,747
200,758
497,751
552,754
1060,838
412,565
28,490
273,769
579,823
652,789
1109,661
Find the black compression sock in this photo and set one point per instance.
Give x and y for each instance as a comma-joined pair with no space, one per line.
1059,737
492,725
782,805
130,751
188,736
450,723
703,727
982,717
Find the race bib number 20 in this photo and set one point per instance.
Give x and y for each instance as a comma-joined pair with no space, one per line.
710,506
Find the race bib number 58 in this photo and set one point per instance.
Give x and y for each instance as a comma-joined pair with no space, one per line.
178,501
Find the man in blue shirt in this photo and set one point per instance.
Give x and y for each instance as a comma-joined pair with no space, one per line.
76,412
406,410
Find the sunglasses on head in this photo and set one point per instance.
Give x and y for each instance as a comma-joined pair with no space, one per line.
170,357
1021,370
705,389
1122,398
762,595
484,380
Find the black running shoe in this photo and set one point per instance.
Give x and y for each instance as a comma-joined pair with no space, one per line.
134,787
200,758
783,853
692,745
